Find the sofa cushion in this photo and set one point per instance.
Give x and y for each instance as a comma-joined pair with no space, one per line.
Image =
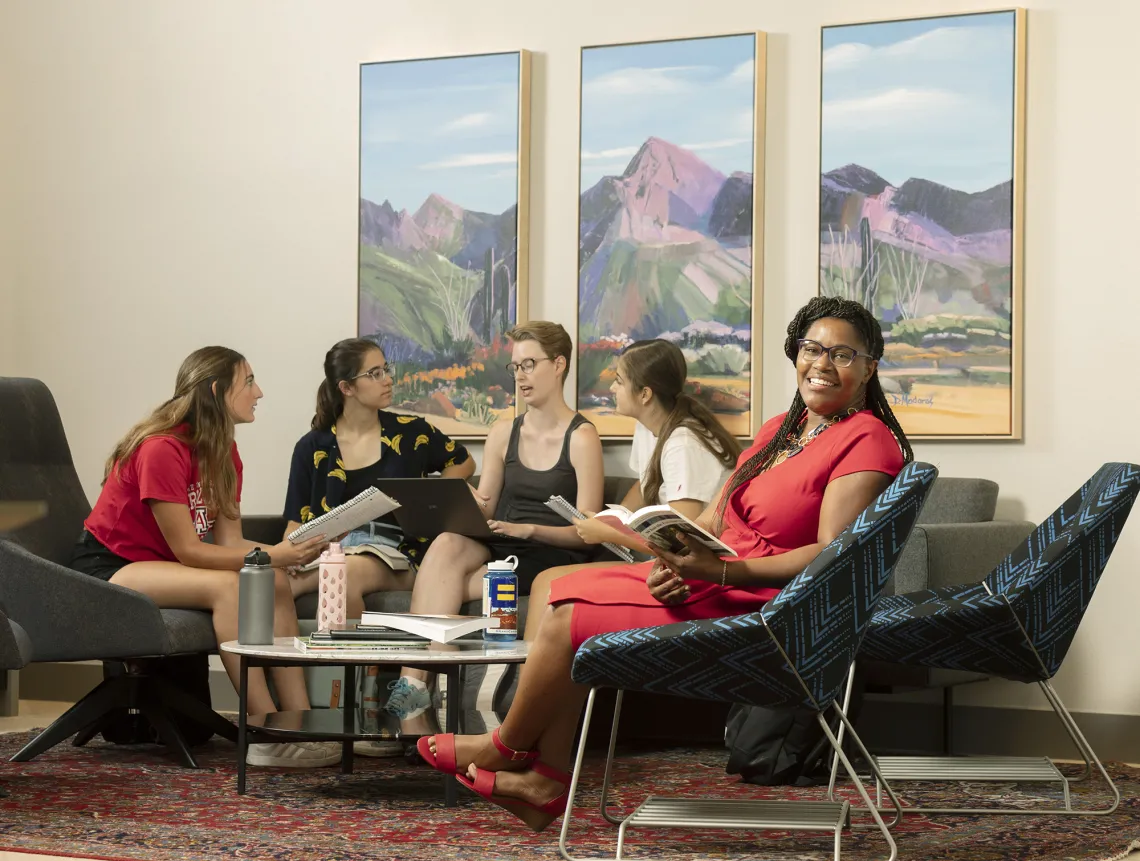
188,631
960,500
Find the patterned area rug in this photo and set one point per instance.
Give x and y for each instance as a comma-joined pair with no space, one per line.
134,803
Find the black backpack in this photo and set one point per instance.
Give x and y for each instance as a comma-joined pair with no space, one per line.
191,673
781,746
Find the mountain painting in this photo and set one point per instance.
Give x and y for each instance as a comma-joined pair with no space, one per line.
920,210
666,218
442,262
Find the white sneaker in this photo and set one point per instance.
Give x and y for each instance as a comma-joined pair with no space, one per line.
297,754
368,747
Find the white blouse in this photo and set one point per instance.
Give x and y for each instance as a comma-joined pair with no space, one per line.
688,469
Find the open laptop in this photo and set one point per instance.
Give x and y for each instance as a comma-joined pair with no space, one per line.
430,506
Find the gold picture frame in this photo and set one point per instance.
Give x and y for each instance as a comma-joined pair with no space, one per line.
937,251
440,284
686,245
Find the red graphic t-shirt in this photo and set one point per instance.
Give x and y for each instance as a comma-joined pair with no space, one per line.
162,469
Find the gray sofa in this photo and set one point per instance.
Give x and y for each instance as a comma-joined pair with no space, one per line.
956,539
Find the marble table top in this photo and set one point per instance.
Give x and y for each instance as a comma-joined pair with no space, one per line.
456,652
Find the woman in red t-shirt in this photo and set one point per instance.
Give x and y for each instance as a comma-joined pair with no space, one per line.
174,478
809,473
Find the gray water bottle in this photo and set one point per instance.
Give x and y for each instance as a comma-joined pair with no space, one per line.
255,600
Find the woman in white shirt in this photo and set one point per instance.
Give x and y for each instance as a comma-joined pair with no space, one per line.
681,452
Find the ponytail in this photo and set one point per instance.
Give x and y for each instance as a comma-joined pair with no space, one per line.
342,363
330,404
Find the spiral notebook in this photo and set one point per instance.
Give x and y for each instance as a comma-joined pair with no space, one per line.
370,505
571,513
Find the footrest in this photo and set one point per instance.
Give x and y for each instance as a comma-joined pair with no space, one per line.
1002,769
660,812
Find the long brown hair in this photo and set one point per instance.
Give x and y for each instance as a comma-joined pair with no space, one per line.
660,366
819,308
199,401
343,362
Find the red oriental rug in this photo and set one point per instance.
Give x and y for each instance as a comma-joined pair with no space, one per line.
134,803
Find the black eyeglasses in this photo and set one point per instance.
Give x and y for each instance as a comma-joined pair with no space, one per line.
377,374
840,355
526,365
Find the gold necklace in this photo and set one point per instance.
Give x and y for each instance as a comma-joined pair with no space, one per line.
796,441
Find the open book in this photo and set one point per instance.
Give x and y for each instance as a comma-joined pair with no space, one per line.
363,508
390,556
659,525
441,629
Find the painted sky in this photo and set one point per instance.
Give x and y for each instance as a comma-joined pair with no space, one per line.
931,99
697,93
446,126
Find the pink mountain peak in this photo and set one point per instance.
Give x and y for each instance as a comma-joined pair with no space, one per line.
437,204
664,187
669,167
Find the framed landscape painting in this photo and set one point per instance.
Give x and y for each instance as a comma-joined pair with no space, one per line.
670,218
443,230
922,134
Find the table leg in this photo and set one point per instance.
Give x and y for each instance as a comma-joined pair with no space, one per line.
349,718
450,784
243,738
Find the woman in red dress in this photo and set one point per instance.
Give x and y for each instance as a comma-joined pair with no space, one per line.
808,474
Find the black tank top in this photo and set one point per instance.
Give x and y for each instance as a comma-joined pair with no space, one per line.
525,490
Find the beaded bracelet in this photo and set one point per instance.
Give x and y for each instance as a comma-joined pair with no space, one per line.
723,570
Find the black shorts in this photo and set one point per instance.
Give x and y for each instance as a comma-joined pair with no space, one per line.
90,556
535,557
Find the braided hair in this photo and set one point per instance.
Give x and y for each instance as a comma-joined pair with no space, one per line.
871,333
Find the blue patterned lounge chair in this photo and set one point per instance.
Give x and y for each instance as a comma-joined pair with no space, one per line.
1016,624
795,652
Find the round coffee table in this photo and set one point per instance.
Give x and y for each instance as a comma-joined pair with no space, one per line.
351,725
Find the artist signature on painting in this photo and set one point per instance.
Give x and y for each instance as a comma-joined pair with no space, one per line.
910,401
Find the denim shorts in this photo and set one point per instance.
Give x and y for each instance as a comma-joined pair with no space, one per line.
370,534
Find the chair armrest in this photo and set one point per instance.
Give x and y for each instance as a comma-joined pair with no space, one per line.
264,529
950,554
74,617
12,656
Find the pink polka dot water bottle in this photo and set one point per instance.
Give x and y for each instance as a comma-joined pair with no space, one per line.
332,597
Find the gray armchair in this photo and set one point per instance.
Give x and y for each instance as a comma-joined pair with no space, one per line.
15,651
68,616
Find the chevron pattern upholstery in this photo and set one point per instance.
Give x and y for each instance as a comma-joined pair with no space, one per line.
797,649
1019,622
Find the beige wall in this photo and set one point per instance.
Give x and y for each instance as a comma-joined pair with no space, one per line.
186,173
7,206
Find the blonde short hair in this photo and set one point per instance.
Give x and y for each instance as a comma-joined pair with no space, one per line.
551,337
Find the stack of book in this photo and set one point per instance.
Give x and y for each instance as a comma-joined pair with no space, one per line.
393,631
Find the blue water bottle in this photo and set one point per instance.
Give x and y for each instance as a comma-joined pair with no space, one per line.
501,599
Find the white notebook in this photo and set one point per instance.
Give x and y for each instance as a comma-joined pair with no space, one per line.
441,629
370,505
571,513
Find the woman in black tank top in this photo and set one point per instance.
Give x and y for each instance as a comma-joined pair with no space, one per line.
549,450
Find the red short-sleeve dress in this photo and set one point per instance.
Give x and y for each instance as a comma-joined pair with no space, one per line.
775,512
